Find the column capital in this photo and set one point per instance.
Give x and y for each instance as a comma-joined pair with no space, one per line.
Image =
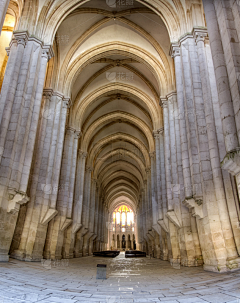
171,95
200,34
47,93
70,129
156,134
58,94
82,154
77,134
152,154
184,38
175,50
161,131
162,100
148,170
66,102
89,169
165,103
8,49
21,37
12,42
47,52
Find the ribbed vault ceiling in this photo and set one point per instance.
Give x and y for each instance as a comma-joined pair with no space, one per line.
115,65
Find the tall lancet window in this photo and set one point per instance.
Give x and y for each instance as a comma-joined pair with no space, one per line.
123,215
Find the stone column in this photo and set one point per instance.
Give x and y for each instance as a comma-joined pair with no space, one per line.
100,225
105,226
163,221
19,115
167,155
189,243
204,205
227,13
175,186
45,185
57,226
190,77
3,10
99,221
224,93
86,210
229,181
227,108
163,175
92,216
148,201
171,215
158,173
213,146
153,188
222,53
182,121
96,231
69,241
78,203
183,159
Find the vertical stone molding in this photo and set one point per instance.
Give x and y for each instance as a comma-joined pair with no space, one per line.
182,120
62,222
167,154
200,37
163,221
46,174
175,185
3,10
20,100
158,173
221,74
86,210
148,199
188,66
153,189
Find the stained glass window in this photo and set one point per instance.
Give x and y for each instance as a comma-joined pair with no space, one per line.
124,215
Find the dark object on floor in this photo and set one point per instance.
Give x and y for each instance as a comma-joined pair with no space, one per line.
134,254
101,271
107,253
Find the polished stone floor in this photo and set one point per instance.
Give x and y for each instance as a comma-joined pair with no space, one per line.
128,280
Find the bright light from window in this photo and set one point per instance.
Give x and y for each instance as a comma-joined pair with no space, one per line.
123,229
129,219
133,229
118,218
113,228
123,219
132,217
123,215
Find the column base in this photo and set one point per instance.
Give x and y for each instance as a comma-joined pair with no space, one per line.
230,266
78,255
164,256
4,257
21,255
85,252
214,268
18,255
192,262
233,264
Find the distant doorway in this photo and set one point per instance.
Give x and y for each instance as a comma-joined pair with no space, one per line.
134,242
123,242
